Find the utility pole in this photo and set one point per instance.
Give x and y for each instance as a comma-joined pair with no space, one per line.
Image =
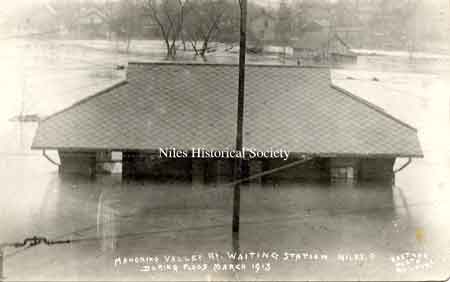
240,120
413,35
1,264
358,24
23,92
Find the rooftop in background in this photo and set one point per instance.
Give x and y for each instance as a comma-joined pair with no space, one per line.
185,105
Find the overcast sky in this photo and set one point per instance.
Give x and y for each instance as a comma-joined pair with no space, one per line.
8,5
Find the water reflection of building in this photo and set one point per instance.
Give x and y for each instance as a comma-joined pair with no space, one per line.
185,106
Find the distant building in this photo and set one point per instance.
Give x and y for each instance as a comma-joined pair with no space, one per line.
318,43
91,24
185,106
313,9
40,20
261,28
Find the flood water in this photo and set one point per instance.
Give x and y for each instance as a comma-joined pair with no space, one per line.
302,231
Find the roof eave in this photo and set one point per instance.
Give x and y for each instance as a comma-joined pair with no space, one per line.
319,154
103,91
372,106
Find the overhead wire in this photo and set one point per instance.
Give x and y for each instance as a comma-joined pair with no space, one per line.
285,219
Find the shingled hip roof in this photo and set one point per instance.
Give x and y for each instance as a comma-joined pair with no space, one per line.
184,106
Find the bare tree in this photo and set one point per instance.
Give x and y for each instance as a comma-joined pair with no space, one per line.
169,16
127,22
67,13
283,27
206,17
119,18
107,13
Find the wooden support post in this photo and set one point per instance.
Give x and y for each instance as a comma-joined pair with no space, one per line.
129,164
198,172
255,167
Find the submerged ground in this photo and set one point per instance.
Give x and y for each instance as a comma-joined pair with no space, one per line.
289,231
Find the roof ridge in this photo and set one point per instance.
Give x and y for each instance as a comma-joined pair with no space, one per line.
371,105
84,100
189,63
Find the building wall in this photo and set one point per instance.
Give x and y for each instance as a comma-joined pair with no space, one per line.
82,163
315,169
343,59
135,164
362,169
377,169
219,170
351,169
310,56
344,168
138,164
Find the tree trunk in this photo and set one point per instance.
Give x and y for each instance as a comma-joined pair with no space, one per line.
167,47
204,48
184,42
128,45
194,46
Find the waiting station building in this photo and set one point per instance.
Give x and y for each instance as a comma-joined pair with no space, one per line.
181,106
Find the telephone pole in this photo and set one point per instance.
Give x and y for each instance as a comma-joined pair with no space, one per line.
1,264
240,120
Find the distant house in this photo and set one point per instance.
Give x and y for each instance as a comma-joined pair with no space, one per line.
92,24
261,27
41,20
350,34
184,106
319,43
